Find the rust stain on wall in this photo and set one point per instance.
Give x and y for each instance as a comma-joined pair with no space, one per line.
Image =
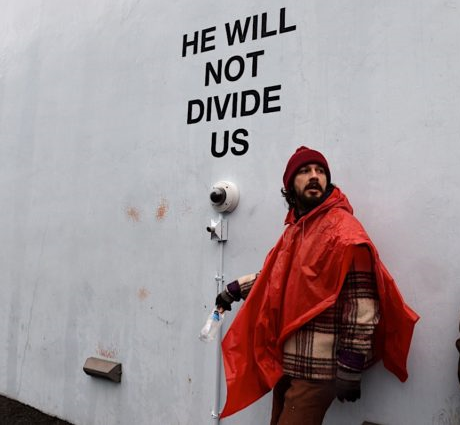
133,214
143,293
162,210
108,353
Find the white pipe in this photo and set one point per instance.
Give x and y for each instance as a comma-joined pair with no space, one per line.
220,287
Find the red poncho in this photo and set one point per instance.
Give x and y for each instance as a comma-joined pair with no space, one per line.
302,276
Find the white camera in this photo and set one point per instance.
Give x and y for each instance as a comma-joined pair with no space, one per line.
224,196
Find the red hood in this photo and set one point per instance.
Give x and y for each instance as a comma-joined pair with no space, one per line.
337,199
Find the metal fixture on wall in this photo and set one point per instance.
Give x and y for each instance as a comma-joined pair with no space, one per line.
101,368
224,198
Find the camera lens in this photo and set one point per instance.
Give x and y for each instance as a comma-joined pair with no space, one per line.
218,196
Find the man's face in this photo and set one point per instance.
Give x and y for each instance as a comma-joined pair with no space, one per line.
310,184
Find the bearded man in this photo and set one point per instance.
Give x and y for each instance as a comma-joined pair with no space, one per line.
322,309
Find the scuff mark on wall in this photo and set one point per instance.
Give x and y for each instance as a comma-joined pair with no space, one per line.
27,345
143,293
449,415
165,321
108,353
162,209
133,214
185,208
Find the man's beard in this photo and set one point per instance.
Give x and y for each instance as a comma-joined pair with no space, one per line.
307,203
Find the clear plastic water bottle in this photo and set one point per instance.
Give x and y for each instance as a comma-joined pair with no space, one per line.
211,327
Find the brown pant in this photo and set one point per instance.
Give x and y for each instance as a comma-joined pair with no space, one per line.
301,402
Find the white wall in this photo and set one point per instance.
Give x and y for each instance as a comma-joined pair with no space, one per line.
104,191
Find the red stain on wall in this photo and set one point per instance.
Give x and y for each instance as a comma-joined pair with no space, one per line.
143,293
162,210
108,353
133,214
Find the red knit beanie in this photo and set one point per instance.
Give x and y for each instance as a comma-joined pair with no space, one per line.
301,157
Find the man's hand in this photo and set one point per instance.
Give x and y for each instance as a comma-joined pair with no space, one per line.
224,300
348,390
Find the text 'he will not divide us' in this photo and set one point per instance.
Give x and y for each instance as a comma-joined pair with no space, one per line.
239,103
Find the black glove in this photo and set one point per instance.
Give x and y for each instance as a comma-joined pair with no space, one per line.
348,390
224,300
